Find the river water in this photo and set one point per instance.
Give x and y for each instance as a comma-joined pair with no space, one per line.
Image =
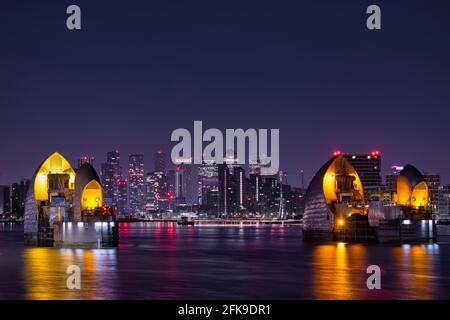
167,261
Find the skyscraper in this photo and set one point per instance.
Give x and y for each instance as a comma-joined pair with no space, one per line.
184,181
444,203
5,200
18,196
111,172
171,181
160,161
122,200
156,189
256,190
228,200
391,179
434,182
85,159
208,181
272,194
241,186
178,184
368,167
136,189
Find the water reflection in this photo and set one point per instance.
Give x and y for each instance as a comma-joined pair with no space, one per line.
416,263
46,278
409,272
334,276
167,261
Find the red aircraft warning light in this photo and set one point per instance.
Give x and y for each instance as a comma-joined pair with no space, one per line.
376,153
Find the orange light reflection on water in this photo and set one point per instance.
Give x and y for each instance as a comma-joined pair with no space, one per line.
340,272
46,277
416,279
334,276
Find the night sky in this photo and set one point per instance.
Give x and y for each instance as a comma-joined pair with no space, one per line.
140,69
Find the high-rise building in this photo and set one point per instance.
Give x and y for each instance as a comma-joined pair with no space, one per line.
5,200
171,181
257,198
227,203
122,200
444,203
18,197
272,194
208,181
178,190
85,159
111,172
151,193
368,167
298,201
241,187
160,161
157,193
391,179
184,184
136,188
434,182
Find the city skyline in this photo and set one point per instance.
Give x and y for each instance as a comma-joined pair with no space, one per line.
294,175
322,78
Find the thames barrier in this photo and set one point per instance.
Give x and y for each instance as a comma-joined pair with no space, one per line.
64,207
336,208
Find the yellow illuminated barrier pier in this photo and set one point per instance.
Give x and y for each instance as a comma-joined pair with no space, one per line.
64,207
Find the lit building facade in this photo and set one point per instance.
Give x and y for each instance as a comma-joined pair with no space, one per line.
136,187
227,191
111,172
368,167
434,182
391,179
18,197
184,184
444,203
241,187
256,186
156,192
122,201
5,200
85,159
208,186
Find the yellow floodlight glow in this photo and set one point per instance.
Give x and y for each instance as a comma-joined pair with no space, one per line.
419,196
412,193
55,164
340,166
92,196
403,191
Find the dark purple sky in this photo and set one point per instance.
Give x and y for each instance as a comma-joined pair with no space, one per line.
140,69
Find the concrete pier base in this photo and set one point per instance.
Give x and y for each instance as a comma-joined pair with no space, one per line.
407,231
85,235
